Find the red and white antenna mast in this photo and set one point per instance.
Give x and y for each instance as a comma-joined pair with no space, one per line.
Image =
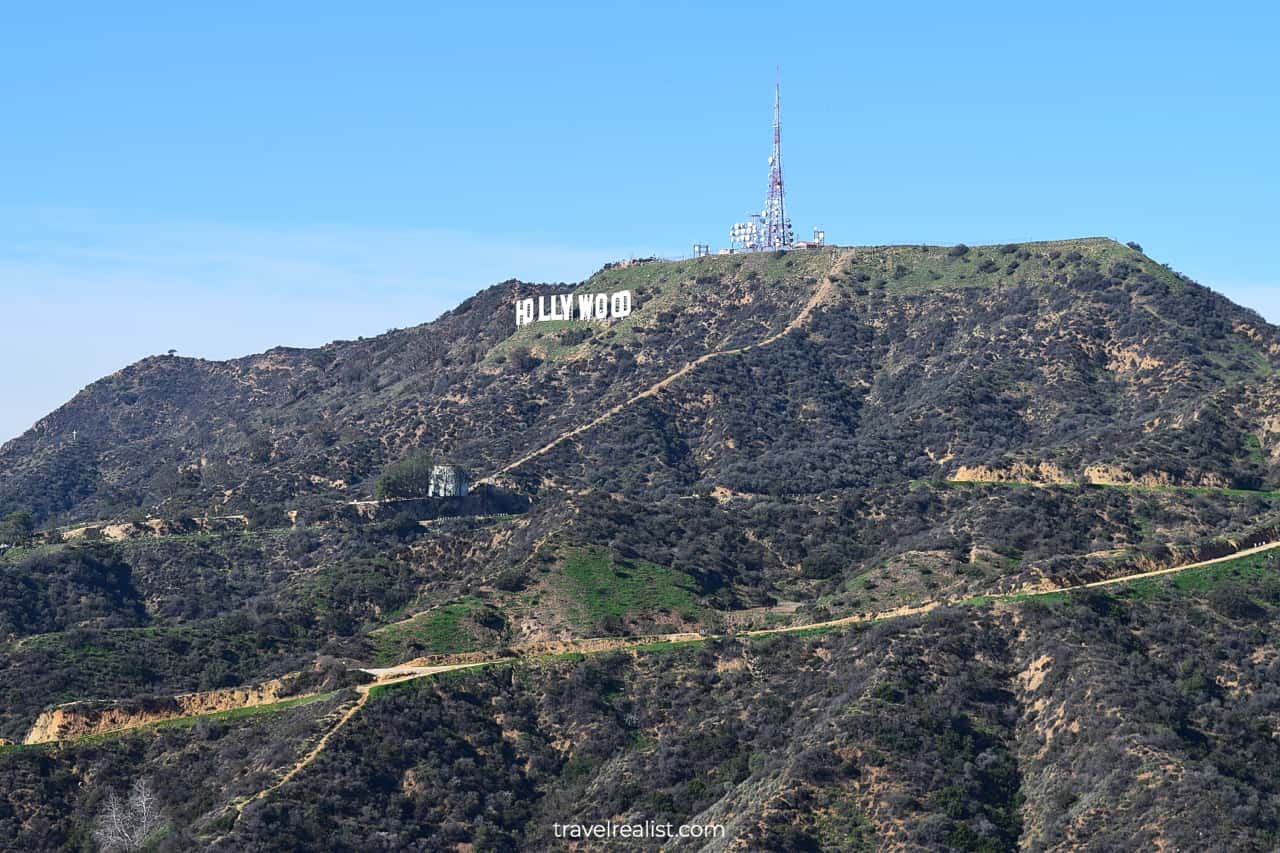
777,226
770,229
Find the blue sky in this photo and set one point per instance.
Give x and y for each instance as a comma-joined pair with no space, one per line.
221,178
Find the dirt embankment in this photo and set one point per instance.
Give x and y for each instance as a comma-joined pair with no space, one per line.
1050,473
1174,557
117,531
1018,472
78,719
452,658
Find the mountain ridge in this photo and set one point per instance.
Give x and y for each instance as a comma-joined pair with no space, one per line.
457,343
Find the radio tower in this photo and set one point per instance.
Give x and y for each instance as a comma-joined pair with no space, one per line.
769,229
777,228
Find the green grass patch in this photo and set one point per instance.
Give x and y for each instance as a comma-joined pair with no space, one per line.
1056,596
674,646
766,641
1253,449
909,270
18,553
447,629
596,587
1252,570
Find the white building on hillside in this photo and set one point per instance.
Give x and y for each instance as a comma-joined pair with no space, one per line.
447,481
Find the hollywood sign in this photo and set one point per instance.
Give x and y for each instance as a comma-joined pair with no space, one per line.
573,306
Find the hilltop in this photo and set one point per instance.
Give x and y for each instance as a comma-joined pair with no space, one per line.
1057,352
769,439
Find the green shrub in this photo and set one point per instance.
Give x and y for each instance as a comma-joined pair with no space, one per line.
409,477
16,527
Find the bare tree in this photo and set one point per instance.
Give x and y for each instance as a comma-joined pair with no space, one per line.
125,825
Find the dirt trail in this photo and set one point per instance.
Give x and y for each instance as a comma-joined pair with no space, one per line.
596,645
1256,549
310,756
408,671
925,607
909,610
583,645
824,291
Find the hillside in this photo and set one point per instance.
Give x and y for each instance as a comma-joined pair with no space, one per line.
1055,352
767,440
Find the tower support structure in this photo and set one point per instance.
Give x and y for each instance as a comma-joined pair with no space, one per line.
771,228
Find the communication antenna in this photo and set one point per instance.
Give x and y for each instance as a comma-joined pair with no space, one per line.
770,229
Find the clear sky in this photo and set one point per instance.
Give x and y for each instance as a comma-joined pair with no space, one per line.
223,177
